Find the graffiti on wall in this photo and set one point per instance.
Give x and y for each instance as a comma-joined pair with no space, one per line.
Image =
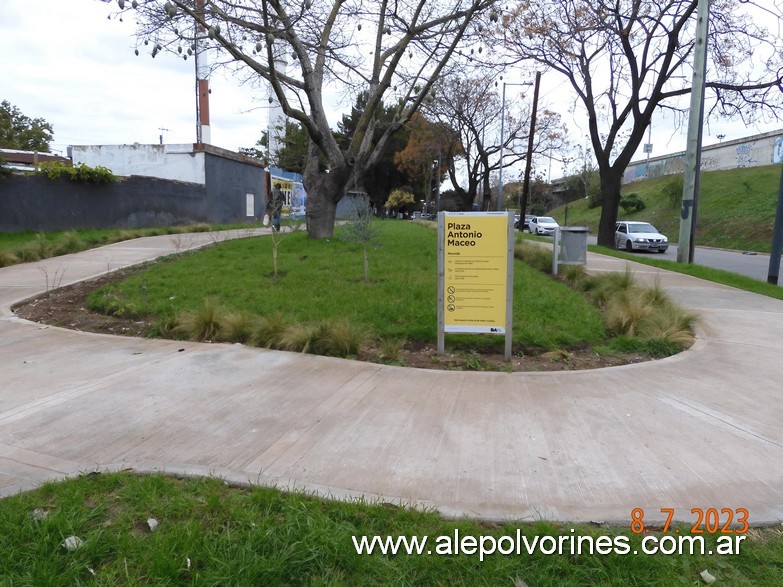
777,150
745,155
669,166
750,152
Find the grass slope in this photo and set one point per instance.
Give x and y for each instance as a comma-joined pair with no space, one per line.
736,208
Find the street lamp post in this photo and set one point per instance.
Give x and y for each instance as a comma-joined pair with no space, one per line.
502,137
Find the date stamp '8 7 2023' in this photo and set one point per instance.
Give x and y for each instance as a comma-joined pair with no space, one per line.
710,520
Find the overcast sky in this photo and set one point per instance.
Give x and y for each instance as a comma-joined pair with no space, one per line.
64,61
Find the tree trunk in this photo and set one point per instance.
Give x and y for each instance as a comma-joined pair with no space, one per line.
611,181
320,214
324,191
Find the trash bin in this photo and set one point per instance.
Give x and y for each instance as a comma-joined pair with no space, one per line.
570,246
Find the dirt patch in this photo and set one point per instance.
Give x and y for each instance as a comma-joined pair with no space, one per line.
66,307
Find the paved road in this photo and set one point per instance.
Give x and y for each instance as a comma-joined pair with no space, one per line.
698,430
755,265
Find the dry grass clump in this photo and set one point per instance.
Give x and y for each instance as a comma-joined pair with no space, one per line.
300,338
210,322
268,331
539,258
646,314
8,258
341,338
390,348
203,323
236,326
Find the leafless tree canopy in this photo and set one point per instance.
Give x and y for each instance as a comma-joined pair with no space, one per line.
625,58
473,107
392,49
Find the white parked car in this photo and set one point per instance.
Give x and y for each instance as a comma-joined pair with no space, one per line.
542,225
639,236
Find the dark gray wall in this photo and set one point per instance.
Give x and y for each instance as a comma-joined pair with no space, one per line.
38,203
228,183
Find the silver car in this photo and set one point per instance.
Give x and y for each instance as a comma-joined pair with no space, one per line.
639,236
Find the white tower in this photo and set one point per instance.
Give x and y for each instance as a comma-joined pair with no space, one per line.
276,119
202,83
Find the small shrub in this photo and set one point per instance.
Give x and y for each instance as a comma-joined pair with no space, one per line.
574,275
632,203
474,362
35,250
5,170
657,296
602,289
80,173
300,338
539,258
626,310
167,326
106,300
391,348
236,327
672,190
69,242
341,338
268,331
670,324
8,258
203,323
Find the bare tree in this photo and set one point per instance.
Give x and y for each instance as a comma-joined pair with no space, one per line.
401,50
627,58
363,229
473,107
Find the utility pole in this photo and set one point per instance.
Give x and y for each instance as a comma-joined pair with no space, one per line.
503,137
773,272
528,164
690,193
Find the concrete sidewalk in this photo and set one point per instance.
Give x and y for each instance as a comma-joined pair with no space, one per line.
698,430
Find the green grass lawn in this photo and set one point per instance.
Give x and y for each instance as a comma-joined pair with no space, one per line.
25,246
209,533
324,280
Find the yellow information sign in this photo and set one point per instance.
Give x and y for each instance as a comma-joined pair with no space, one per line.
475,252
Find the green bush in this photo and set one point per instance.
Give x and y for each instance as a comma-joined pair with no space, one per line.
632,203
672,190
4,169
80,173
